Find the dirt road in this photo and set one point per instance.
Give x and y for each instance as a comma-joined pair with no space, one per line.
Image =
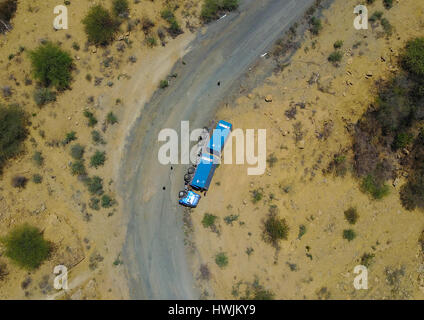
154,252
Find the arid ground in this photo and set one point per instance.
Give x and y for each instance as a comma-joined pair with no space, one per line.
309,120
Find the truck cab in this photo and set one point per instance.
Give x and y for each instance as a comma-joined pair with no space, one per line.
190,199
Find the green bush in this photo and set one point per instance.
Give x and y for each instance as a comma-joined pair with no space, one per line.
167,15
94,203
377,15
97,137
26,246
315,25
413,57
38,158
231,218
43,96
257,195
77,151
163,84
98,159
51,66
151,42
388,4
13,131
259,292
338,44
69,137
349,234
111,118
99,25
95,185
78,168
208,220
412,192
211,8
107,201
174,28
36,178
275,229
387,27
402,140
335,57
351,215
367,259
92,121
272,160
120,8
371,186
75,46
221,259
302,231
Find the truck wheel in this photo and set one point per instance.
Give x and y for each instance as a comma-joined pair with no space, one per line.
191,170
187,177
182,194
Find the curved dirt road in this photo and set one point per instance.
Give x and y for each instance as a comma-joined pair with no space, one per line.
154,252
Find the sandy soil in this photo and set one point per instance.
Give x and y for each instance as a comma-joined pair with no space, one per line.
88,242
320,264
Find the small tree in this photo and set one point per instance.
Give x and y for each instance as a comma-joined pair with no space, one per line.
98,159
413,57
77,151
92,121
78,168
315,25
36,178
111,118
70,136
120,8
107,201
211,8
275,229
13,122
338,44
221,260
335,57
38,158
51,65
388,4
208,220
95,185
26,246
99,25
349,234
351,215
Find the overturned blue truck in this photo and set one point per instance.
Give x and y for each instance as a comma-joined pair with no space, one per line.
199,177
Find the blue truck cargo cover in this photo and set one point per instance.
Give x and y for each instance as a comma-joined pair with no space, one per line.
204,172
219,137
